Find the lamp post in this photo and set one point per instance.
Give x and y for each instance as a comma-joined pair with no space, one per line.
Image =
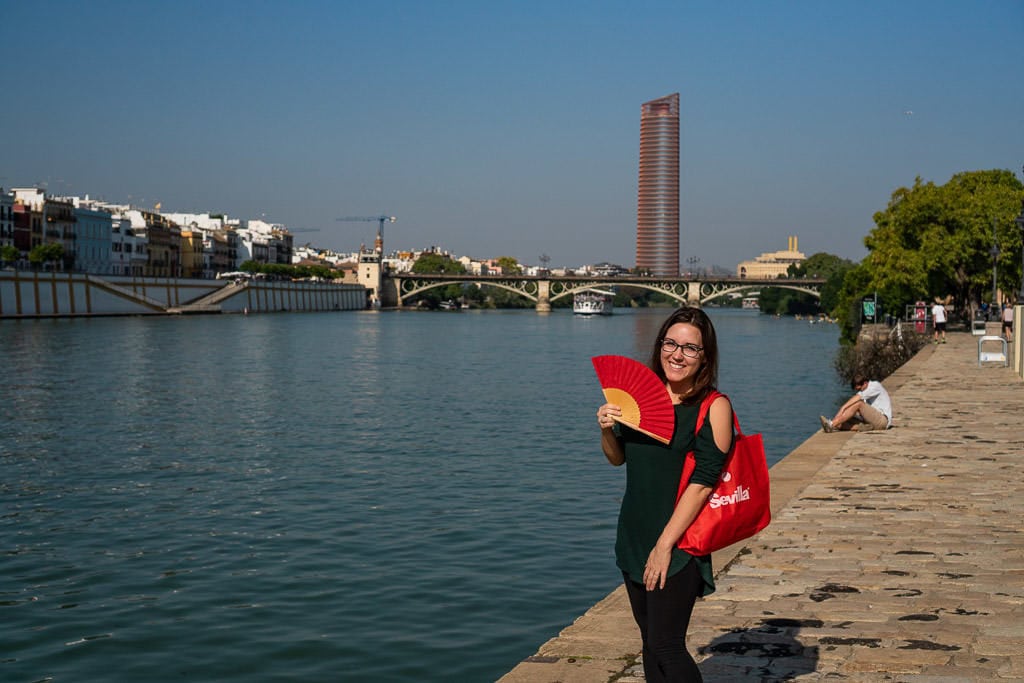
693,261
994,252
1020,224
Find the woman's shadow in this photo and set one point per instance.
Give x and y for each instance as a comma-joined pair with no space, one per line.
768,653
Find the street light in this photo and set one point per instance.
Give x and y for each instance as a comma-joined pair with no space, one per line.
994,252
1020,224
693,261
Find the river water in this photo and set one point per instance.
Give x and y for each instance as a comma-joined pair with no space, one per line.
373,496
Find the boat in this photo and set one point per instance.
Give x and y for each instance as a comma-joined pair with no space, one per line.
751,302
592,302
450,305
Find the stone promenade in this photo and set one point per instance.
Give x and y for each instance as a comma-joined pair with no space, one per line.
892,556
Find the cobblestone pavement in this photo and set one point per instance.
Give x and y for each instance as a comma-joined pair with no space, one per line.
892,556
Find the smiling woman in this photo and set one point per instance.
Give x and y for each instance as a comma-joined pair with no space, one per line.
662,580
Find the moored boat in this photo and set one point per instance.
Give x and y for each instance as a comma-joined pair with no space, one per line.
592,302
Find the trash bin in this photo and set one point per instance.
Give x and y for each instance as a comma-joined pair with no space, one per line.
920,317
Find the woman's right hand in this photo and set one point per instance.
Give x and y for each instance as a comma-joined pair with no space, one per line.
606,415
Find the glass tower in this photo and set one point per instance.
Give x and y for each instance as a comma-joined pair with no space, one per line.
657,213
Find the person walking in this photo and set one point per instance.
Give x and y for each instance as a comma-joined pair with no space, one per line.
939,321
868,409
1008,322
662,581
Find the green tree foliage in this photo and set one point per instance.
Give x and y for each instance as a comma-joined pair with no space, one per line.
776,300
856,284
509,265
44,253
935,240
285,272
432,263
829,266
9,254
780,301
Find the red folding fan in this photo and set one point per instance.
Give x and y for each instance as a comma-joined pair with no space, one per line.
635,388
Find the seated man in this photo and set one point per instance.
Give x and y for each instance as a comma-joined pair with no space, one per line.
870,408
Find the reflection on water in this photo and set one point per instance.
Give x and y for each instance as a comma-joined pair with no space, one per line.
396,496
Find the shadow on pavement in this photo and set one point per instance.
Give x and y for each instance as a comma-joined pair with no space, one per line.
768,653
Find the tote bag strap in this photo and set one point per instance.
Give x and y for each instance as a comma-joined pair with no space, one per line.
705,406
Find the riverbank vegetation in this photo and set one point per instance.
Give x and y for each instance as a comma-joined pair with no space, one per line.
934,242
931,242
878,356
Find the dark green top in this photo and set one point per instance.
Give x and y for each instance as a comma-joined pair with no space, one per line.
653,471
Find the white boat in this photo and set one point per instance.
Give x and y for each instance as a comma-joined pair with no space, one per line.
592,302
751,302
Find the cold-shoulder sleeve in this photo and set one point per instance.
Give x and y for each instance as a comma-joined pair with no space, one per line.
708,457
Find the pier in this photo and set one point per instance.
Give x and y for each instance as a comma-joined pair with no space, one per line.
895,555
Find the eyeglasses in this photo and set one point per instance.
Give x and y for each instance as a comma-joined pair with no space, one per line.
669,347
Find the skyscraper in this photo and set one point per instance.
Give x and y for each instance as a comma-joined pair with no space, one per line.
657,213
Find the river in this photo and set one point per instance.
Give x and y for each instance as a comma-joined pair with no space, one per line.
373,496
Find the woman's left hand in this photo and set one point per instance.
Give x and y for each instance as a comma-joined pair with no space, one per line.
656,569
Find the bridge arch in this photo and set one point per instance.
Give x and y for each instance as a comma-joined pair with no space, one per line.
417,285
715,290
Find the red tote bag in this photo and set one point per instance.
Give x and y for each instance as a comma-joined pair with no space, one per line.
740,503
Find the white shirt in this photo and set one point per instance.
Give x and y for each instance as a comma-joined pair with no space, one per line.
875,395
1008,314
939,313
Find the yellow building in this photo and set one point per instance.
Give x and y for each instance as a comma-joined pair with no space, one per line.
192,264
773,264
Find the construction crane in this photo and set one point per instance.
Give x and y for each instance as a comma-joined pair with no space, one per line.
381,220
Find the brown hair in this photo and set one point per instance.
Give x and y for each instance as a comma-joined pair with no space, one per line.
707,376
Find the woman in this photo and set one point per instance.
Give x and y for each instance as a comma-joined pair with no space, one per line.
662,581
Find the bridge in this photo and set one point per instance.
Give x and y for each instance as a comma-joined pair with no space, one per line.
544,289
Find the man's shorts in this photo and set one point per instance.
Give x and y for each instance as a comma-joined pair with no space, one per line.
940,327
871,419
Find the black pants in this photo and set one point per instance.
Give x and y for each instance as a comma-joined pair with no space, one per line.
663,616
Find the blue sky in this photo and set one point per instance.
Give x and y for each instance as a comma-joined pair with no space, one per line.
512,128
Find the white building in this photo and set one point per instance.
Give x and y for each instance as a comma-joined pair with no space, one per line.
127,250
263,242
197,221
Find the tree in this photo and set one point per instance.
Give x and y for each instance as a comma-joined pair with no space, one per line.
777,300
509,265
432,263
933,241
44,253
9,254
829,266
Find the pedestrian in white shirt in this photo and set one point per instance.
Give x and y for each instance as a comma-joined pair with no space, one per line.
939,319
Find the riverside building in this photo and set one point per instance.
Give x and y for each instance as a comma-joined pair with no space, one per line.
657,215
772,264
